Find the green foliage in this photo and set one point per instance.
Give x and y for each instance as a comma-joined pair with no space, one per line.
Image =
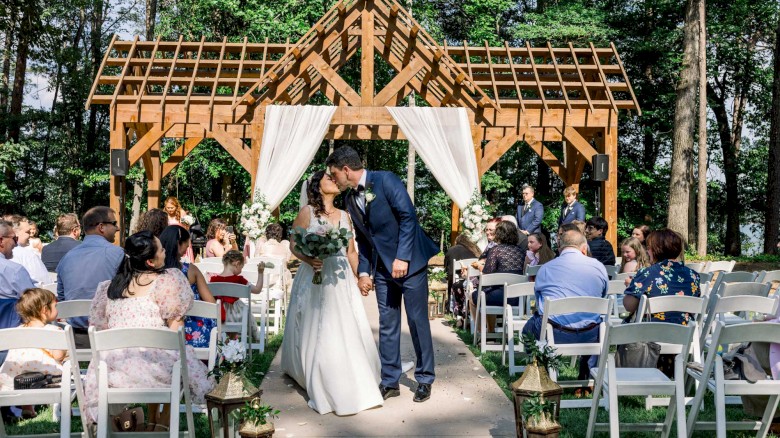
542,355
565,22
255,413
537,409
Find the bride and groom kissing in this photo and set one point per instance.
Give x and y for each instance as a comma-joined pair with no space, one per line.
328,346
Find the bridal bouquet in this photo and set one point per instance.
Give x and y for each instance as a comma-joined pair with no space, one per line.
255,217
321,242
475,216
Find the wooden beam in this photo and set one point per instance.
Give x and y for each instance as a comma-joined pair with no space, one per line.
256,145
455,223
180,154
547,156
496,148
367,59
234,146
147,141
154,183
610,186
336,81
388,94
579,142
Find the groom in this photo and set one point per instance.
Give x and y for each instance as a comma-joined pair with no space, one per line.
394,255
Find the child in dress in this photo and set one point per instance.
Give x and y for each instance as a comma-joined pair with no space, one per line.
634,255
233,262
37,308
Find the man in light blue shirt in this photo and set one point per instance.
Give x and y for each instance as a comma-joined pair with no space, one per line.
572,274
85,266
14,278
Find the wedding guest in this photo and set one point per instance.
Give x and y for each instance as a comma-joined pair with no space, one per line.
463,248
154,220
530,213
173,210
634,255
580,226
143,294
505,257
641,232
24,254
490,235
571,210
572,274
175,240
274,245
601,250
538,252
68,230
85,266
220,240
522,238
233,263
14,278
35,240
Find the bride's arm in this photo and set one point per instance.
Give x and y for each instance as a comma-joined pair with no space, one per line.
303,221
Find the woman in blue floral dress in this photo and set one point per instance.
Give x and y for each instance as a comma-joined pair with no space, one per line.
175,240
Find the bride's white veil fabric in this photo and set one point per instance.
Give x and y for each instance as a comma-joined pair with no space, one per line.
303,200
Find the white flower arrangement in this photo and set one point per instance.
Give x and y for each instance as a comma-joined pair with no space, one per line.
475,216
255,217
187,220
234,351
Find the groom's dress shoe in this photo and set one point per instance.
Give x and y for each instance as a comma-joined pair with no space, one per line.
423,392
388,392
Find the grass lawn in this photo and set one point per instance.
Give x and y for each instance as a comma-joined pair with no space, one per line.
256,370
574,421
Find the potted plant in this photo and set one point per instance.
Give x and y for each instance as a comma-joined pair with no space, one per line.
229,372
536,382
538,418
254,417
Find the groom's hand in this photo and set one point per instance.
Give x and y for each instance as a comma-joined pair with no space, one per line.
399,268
365,284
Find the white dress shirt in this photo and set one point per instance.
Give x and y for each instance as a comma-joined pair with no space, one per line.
361,196
27,257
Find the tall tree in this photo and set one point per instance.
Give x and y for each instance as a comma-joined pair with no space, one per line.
684,117
772,217
28,27
701,204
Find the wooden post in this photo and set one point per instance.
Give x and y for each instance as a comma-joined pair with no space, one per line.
118,140
257,143
367,57
155,181
609,190
455,223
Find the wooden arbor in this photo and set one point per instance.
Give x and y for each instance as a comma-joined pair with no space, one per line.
196,89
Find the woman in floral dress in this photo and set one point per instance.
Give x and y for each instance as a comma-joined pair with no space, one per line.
143,294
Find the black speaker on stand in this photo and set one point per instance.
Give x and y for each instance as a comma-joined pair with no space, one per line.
600,167
119,162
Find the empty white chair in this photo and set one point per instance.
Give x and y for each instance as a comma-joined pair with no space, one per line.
612,271
515,319
61,397
720,387
768,276
271,302
723,265
612,382
723,307
457,265
483,310
617,289
242,292
696,266
113,339
74,309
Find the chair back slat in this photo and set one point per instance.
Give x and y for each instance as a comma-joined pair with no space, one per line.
622,276
34,337
768,276
458,264
616,287
696,266
747,332
676,303
662,332
519,290
578,305
73,308
723,265
612,270
532,270
202,309
230,290
735,304
499,279
112,339
751,289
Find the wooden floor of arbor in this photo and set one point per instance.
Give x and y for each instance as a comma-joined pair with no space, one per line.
465,400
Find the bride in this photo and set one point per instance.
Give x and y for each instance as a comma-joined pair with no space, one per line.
328,346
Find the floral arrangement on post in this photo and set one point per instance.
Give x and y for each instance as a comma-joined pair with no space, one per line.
255,216
475,216
254,417
437,274
232,355
540,354
187,220
322,242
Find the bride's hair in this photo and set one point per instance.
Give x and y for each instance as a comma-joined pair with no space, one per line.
313,192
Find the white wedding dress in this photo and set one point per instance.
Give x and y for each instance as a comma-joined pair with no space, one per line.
328,346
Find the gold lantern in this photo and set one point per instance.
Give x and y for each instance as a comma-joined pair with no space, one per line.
535,380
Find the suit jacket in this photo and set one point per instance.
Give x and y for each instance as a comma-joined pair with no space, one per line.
577,213
388,229
53,252
531,221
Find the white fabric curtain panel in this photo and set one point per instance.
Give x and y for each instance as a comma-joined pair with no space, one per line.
291,137
442,137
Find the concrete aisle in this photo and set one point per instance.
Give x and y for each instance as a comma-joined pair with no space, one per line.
465,400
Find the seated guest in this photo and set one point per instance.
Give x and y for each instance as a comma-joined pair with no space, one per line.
490,235
572,274
14,278
220,240
274,245
68,231
505,257
143,294
24,254
538,252
530,213
233,262
634,255
600,249
176,240
522,238
464,248
571,210
641,232
154,220
85,266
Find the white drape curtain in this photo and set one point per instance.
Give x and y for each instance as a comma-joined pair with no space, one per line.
291,138
442,137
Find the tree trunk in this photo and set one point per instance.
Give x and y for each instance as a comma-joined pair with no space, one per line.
701,204
96,45
27,29
772,218
151,17
5,79
684,117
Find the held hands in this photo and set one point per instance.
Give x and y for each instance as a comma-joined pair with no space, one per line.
399,268
365,284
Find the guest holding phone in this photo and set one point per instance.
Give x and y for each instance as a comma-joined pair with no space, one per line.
221,238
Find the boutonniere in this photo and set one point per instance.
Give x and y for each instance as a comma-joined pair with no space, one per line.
370,196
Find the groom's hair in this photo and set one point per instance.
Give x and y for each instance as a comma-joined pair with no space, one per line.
344,156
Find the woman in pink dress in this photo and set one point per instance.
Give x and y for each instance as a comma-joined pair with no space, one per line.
145,295
175,213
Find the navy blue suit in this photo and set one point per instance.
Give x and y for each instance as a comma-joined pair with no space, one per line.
389,230
575,213
531,219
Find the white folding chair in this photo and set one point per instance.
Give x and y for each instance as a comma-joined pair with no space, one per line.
202,309
612,382
113,339
469,291
618,261
74,309
768,276
617,288
741,289
514,321
530,271
623,275
209,268
61,397
455,272
723,307
242,292
51,287
601,306
483,310
723,265
712,379
696,266
612,271
732,277
269,308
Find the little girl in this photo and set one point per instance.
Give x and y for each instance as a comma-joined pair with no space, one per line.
233,263
634,255
37,308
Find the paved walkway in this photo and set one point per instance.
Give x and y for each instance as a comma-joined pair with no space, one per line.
465,400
